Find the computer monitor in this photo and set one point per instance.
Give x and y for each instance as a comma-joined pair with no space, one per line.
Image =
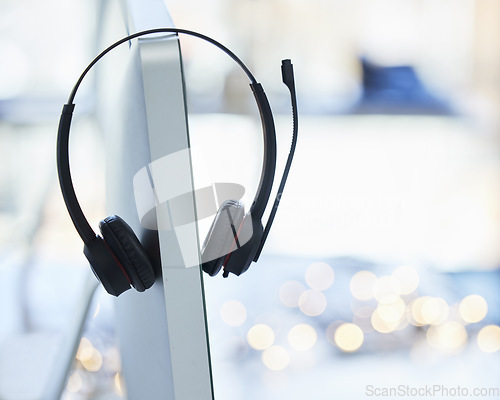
162,332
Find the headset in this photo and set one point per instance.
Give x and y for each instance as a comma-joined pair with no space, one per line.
235,238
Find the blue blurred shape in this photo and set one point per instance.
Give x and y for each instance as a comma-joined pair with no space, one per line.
397,90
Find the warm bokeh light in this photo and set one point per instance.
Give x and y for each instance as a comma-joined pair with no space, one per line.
260,337
416,311
290,293
74,382
473,308
386,288
349,337
85,349
435,310
362,285
488,339
276,358
407,278
381,325
89,356
319,276
233,313
302,337
428,310
449,337
97,310
119,386
393,311
312,303
93,363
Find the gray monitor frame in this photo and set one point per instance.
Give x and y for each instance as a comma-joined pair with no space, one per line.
162,333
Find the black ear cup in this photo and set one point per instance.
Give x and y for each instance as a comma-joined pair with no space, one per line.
251,232
222,237
106,267
129,252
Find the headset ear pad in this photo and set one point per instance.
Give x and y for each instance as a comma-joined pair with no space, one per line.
123,242
221,238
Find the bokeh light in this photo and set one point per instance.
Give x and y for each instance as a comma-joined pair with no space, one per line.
312,303
319,276
382,325
427,310
407,278
93,363
119,384
449,337
97,310
386,288
75,382
84,349
260,337
488,339
302,337
90,357
349,337
290,293
393,311
473,308
233,313
361,285
276,358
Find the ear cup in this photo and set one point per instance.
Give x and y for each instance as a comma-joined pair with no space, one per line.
106,267
222,236
251,235
123,242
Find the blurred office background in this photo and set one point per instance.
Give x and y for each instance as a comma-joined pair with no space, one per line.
382,267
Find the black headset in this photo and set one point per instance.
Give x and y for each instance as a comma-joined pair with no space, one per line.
234,240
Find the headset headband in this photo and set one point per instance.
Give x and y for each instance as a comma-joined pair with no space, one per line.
269,136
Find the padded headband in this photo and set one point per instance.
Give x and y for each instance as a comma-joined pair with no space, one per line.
269,136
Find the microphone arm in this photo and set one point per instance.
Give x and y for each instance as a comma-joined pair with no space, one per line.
288,80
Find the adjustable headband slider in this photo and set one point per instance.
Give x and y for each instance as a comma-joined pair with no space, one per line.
68,108
256,88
